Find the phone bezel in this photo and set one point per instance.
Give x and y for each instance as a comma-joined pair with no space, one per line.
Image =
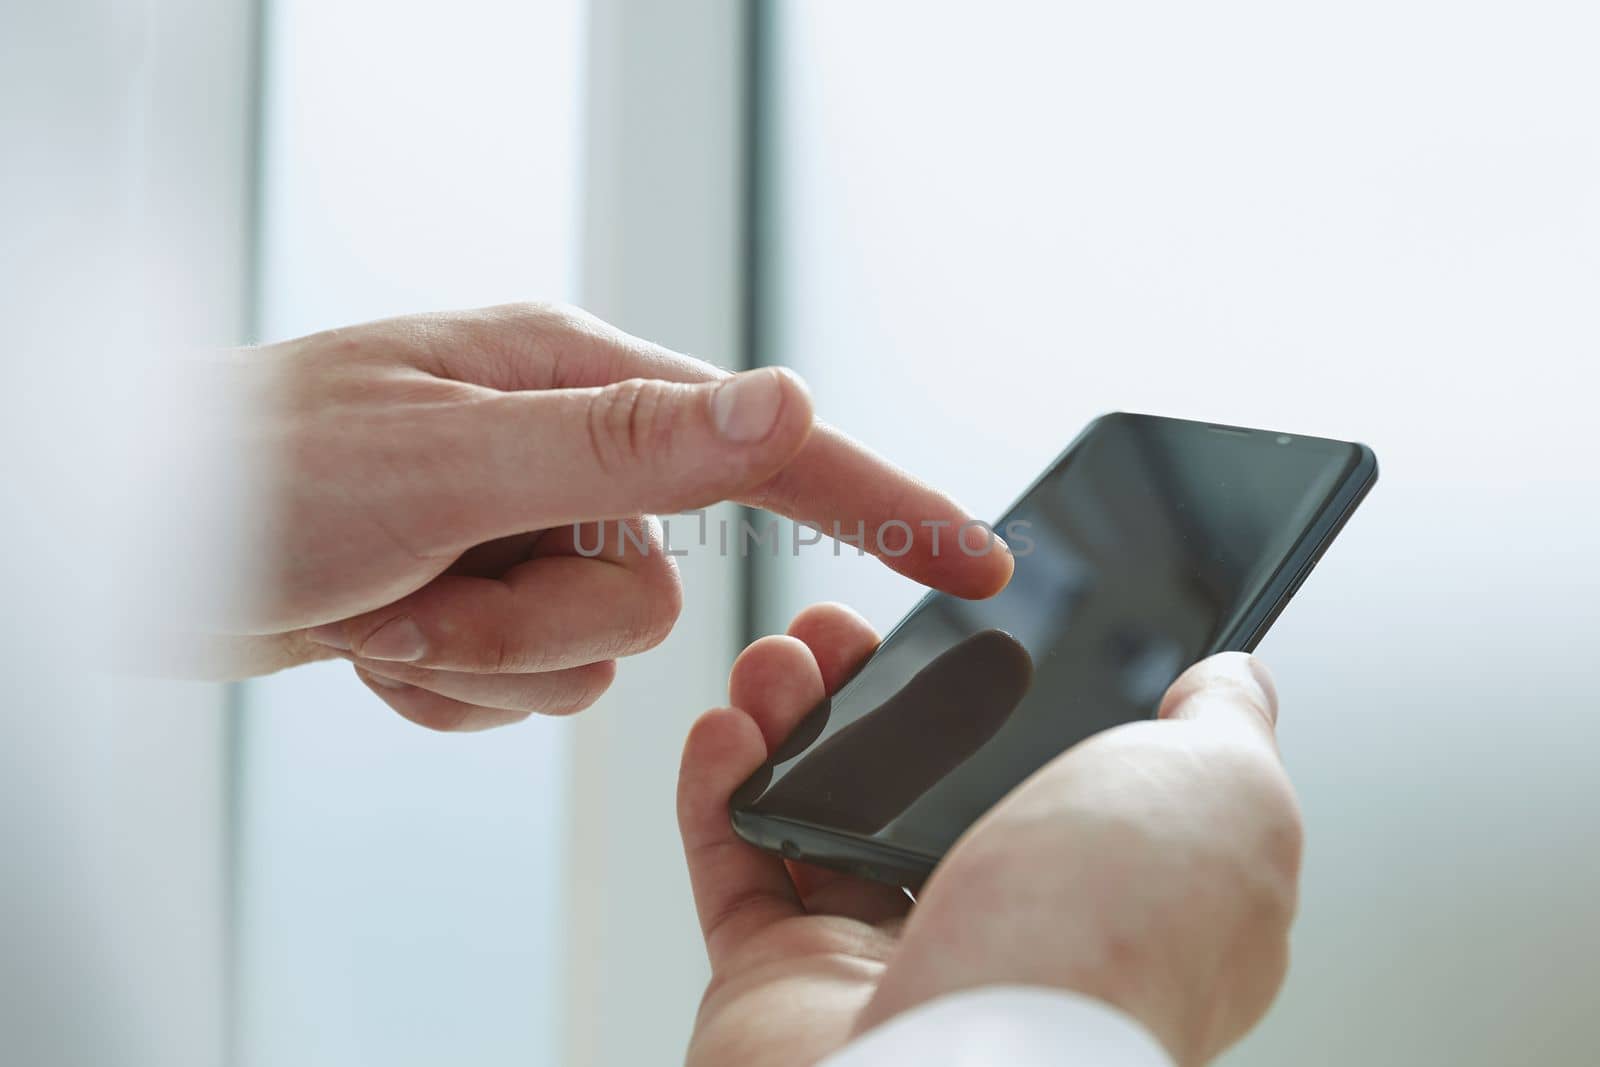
883,862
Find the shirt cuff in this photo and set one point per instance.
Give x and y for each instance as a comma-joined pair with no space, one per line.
1020,1025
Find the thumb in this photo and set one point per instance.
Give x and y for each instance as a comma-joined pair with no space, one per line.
1230,687
640,446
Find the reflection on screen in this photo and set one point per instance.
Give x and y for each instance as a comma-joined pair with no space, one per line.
1150,540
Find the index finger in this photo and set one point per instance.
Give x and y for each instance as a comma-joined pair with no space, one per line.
835,484
843,489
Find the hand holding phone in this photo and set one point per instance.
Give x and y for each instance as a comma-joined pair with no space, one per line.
1126,870
1154,867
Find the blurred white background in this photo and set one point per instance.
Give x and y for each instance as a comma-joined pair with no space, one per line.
972,229
1377,221
124,165
399,894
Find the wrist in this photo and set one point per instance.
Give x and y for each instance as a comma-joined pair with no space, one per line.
978,925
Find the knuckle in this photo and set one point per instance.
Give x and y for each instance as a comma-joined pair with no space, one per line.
1263,859
664,590
440,722
585,686
500,659
1204,682
1282,839
620,418
542,314
774,494
663,606
1270,900
655,620
598,679
555,336
1246,695
430,711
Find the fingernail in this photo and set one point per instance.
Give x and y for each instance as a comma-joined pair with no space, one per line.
398,639
1234,668
329,635
384,683
1239,671
746,406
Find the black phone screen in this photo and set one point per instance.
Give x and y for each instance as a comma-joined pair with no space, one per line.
1143,549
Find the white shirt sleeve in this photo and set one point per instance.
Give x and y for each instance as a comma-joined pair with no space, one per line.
1022,1026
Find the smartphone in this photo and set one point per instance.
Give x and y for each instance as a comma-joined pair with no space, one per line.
1149,544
